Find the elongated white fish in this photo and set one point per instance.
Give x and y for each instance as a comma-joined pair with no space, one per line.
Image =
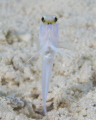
48,37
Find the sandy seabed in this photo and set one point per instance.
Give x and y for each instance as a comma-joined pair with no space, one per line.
72,92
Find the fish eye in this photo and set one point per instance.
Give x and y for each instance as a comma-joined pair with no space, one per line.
42,19
56,19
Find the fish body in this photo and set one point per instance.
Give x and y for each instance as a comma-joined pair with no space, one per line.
48,36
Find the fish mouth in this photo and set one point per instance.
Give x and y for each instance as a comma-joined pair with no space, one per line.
49,19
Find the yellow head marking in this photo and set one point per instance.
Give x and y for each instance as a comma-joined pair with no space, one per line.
49,19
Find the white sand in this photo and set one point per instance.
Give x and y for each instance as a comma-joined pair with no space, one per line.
72,92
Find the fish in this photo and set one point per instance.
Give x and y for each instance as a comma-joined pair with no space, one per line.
48,38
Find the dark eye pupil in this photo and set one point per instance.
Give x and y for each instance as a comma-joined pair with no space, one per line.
42,19
56,19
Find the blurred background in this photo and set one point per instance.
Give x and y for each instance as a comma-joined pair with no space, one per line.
72,92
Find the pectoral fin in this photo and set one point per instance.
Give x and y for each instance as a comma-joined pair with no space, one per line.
57,50
36,54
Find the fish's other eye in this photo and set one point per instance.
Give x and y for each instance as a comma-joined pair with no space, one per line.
56,19
42,19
